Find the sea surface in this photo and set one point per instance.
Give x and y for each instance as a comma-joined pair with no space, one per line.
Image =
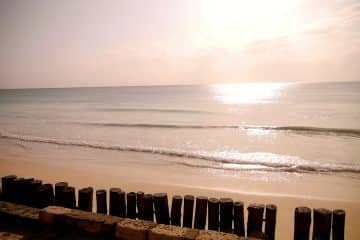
311,128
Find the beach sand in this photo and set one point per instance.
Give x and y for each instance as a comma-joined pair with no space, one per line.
286,204
82,167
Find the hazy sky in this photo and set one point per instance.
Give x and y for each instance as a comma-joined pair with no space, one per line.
145,42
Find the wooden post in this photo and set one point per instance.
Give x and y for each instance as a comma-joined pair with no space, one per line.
68,197
200,212
226,214
161,208
255,219
85,199
44,196
33,187
101,203
176,210
26,191
239,225
270,221
322,224
338,224
140,204
115,203
59,193
148,207
302,223
19,190
188,211
213,216
131,205
7,184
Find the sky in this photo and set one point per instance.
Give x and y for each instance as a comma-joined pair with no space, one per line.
50,43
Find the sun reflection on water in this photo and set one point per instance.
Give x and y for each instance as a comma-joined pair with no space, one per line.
247,93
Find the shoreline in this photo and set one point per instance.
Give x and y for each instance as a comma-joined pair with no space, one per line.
286,204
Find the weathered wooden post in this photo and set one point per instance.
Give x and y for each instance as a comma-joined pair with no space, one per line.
19,190
148,207
226,214
270,221
322,224
239,225
131,205
33,186
161,208
7,183
59,193
85,199
302,223
188,211
200,212
69,201
140,204
338,224
115,202
26,191
255,219
101,203
44,196
213,216
176,210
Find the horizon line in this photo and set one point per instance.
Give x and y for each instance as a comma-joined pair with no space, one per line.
174,85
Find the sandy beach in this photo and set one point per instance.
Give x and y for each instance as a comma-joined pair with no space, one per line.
80,171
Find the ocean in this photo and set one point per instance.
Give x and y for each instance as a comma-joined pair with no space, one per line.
287,128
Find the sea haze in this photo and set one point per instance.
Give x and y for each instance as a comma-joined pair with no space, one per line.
281,127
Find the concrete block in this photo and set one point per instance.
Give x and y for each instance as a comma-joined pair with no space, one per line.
213,235
167,232
11,236
129,229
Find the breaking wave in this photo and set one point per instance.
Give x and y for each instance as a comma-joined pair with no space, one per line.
293,129
261,161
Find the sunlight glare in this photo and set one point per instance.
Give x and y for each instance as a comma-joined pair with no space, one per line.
247,93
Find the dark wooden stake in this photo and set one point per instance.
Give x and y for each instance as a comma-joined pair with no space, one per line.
68,195
226,214
239,225
255,219
270,221
213,216
19,190
322,224
338,224
7,184
140,204
115,205
200,212
131,205
85,199
161,208
26,191
302,223
101,203
33,187
176,210
188,211
148,207
44,196
59,193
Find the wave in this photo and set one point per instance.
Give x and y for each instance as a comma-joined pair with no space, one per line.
241,161
294,129
156,110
